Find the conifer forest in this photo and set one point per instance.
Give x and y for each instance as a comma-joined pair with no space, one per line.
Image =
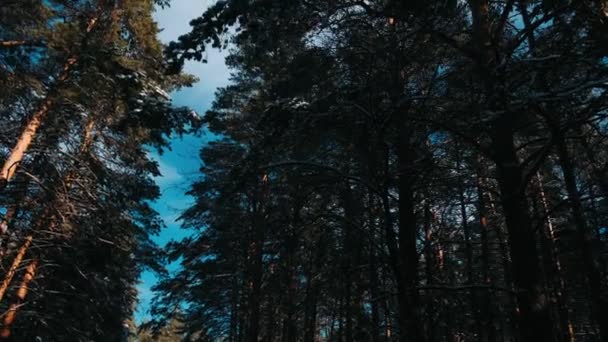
381,170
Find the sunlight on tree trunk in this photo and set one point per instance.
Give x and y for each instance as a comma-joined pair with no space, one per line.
11,315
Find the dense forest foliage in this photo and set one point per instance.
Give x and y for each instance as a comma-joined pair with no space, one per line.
83,98
399,171
412,171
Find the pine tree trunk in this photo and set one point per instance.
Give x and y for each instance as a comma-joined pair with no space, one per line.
487,332
555,266
8,278
270,320
469,256
373,277
430,263
255,264
371,150
289,324
312,294
242,314
349,261
255,292
11,315
429,256
234,308
310,310
390,236
409,321
12,43
533,311
599,303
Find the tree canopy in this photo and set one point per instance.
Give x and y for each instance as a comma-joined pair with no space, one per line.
386,170
412,171
85,97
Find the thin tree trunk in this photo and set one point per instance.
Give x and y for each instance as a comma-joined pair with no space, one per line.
373,276
289,324
310,310
469,256
556,267
370,156
429,266
505,257
391,241
487,331
429,256
255,292
270,320
256,266
311,296
599,303
234,309
8,278
11,315
12,43
533,311
348,262
7,44
242,327
409,301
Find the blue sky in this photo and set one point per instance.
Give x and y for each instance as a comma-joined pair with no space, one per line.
179,167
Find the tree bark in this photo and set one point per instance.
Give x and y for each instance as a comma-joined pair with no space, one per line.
11,315
408,299
310,309
350,260
599,302
255,285
8,44
12,43
487,331
373,276
8,278
555,266
255,265
469,254
234,309
533,311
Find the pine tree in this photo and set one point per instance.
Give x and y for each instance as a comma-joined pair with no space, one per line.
435,120
79,233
